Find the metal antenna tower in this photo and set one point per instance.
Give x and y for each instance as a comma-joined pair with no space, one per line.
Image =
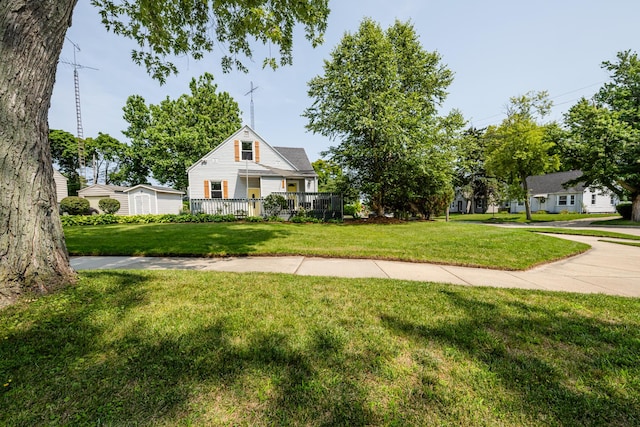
253,89
80,133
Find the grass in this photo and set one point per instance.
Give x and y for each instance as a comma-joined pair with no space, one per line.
521,217
179,348
436,242
622,243
582,232
616,222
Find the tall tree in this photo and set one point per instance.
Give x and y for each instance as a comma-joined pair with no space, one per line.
169,137
64,153
518,147
603,136
379,97
33,255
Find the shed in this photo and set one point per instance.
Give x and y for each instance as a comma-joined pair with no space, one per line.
151,199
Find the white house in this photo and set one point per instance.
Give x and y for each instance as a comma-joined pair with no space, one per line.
137,200
245,167
548,193
151,199
60,180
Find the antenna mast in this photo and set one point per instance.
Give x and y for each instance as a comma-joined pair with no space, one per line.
253,89
79,130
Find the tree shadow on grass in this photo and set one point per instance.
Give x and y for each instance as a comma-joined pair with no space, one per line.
67,365
206,239
560,368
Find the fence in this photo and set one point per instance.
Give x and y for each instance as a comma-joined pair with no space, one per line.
318,205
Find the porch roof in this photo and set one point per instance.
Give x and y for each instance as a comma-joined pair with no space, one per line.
270,171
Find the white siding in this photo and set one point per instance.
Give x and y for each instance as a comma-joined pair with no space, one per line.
142,201
220,165
97,192
61,185
168,203
602,201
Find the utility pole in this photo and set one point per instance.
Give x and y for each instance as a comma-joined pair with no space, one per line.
253,89
79,130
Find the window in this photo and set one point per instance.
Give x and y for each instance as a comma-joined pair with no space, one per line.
479,204
247,150
567,200
216,190
593,199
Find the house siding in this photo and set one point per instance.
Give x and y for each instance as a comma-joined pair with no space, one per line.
60,181
95,193
220,165
169,203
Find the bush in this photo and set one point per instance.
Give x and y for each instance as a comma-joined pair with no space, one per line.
74,205
109,206
625,209
541,212
273,204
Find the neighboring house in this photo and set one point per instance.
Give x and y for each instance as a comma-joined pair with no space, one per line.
244,168
96,192
150,199
137,200
461,204
548,193
61,181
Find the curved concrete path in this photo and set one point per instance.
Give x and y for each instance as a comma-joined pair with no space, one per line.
606,268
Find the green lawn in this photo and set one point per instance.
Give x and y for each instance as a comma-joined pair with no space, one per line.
448,243
521,217
168,348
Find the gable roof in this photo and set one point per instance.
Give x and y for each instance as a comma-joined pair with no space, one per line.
553,183
296,156
155,188
105,187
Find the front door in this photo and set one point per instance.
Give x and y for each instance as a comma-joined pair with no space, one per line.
292,187
255,209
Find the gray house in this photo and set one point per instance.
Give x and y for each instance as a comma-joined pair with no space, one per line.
60,180
548,193
137,200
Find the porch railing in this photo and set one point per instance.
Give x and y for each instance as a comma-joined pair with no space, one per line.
318,205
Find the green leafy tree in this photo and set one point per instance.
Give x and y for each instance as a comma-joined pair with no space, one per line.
169,137
518,148
33,255
379,97
64,153
471,176
105,156
603,136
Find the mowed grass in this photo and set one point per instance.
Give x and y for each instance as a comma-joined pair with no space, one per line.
436,242
178,348
503,217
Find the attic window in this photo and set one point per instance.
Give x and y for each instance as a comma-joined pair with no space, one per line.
247,150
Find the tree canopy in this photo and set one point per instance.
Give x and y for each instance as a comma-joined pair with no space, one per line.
603,135
379,97
169,137
518,147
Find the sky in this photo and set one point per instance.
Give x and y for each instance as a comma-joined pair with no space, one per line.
496,49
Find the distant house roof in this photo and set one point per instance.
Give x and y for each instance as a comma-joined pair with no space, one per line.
297,157
156,188
554,183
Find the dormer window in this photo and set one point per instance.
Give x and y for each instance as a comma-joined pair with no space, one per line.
247,150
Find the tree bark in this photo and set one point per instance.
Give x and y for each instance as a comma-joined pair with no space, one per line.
33,255
635,207
527,203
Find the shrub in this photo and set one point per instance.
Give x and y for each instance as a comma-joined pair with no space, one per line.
625,209
74,205
542,212
109,206
273,204
564,211
353,209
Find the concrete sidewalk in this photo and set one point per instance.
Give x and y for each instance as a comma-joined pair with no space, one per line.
607,268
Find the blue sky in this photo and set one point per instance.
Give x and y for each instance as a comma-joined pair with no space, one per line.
496,48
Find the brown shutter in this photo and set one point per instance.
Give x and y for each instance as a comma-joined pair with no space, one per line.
257,150
207,195
283,183
236,147
225,189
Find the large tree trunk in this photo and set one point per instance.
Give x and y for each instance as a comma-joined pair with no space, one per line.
33,256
